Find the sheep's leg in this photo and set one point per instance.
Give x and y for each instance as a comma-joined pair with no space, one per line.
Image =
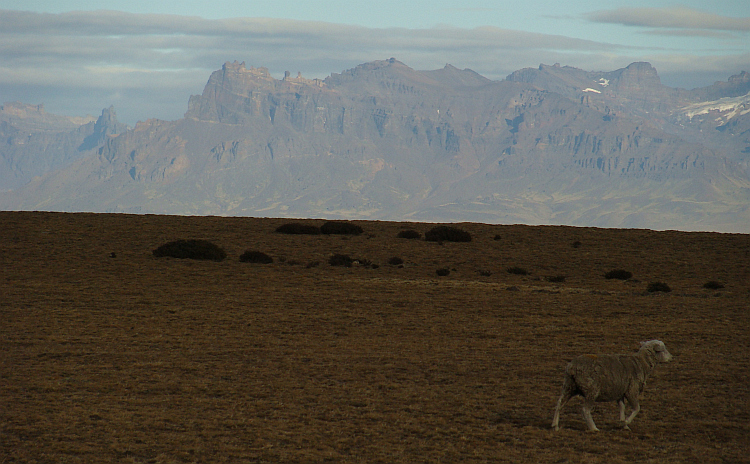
633,400
587,407
565,396
622,414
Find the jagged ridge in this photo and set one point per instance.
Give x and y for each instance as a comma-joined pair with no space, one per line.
384,141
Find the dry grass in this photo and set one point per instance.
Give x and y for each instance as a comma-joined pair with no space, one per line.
134,358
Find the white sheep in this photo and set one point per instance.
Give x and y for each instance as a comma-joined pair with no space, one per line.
610,378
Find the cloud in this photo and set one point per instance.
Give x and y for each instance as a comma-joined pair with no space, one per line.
691,33
104,48
148,65
670,18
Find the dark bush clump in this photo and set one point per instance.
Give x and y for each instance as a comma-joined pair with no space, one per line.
340,228
497,237
409,233
443,272
713,285
447,234
255,257
658,287
577,244
298,228
395,261
517,270
556,279
341,260
618,274
484,273
191,249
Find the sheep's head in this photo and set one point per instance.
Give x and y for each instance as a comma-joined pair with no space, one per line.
658,348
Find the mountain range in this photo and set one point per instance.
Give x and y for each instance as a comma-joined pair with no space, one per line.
547,145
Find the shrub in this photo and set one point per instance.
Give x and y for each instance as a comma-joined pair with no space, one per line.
658,287
298,228
409,233
340,228
191,249
713,285
484,273
255,257
341,260
577,244
618,274
556,279
497,237
395,261
517,270
447,234
443,272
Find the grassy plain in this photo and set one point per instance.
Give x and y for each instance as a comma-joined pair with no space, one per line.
108,354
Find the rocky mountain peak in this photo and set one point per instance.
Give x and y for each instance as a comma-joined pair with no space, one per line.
105,126
236,92
22,110
34,117
379,70
739,79
638,76
735,86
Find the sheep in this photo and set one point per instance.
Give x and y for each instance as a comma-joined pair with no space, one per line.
606,378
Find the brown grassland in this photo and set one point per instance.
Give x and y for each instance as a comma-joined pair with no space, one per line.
133,358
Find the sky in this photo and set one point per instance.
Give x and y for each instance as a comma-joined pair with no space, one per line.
147,57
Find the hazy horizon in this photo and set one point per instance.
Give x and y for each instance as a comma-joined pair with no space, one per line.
148,58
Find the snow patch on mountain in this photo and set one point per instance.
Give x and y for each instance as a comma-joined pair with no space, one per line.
728,107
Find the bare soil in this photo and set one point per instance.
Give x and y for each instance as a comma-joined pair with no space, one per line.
108,354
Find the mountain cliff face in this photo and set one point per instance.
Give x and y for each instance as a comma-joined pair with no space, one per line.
383,141
35,142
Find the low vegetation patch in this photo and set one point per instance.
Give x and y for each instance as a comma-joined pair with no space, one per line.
577,244
555,279
348,261
341,260
618,274
395,261
442,272
340,228
658,287
410,234
255,257
713,285
447,234
191,249
517,270
484,273
298,229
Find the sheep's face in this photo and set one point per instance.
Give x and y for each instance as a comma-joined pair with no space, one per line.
658,348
